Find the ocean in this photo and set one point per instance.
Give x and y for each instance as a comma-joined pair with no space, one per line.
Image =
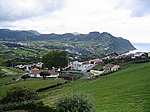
141,47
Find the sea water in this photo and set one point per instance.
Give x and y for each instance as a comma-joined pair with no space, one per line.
141,47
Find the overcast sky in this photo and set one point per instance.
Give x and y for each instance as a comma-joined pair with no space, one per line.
129,19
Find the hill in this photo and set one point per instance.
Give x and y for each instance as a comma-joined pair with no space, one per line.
34,32
93,43
126,90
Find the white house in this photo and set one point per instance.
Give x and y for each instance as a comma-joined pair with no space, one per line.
111,67
39,65
35,73
148,54
80,65
141,54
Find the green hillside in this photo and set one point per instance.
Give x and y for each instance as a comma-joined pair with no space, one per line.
127,90
93,43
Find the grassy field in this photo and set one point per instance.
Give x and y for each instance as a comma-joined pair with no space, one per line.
34,83
127,90
20,52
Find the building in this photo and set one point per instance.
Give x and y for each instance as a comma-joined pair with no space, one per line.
111,68
80,65
149,54
35,73
96,72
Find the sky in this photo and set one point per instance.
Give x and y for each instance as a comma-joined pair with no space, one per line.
129,19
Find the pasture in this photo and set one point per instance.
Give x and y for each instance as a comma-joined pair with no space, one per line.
127,90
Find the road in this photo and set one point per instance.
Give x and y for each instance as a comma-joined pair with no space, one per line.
7,72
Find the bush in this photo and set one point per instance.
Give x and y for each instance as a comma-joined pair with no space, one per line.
75,102
14,106
1,72
44,74
31,106
97,76
19,94
50,87
40,106
25,76
142,60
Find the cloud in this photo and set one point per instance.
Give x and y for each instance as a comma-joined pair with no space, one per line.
138,8
12,10
123,18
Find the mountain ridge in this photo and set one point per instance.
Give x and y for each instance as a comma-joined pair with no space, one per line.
94,42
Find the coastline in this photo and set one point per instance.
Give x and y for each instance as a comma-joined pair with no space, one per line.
141,47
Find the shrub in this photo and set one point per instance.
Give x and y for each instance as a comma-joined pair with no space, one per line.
19,94
142,60
44,74
25,76
97,76
1,72
14,106
50,87
75,102
14,79
40,106
31,106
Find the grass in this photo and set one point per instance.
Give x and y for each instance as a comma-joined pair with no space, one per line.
124,91
100,65
11,53
4,79
34,83
127,90
12,70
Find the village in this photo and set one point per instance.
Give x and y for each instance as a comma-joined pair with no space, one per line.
76,69
74,56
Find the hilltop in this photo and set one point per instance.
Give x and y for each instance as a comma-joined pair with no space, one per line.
94,43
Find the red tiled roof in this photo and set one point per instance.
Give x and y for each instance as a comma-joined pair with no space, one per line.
130,54
109,65
35,72
52,72
35,69
97,60
39,71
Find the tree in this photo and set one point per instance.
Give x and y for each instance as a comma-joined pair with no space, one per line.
19,94
55,58
25,76
44,74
